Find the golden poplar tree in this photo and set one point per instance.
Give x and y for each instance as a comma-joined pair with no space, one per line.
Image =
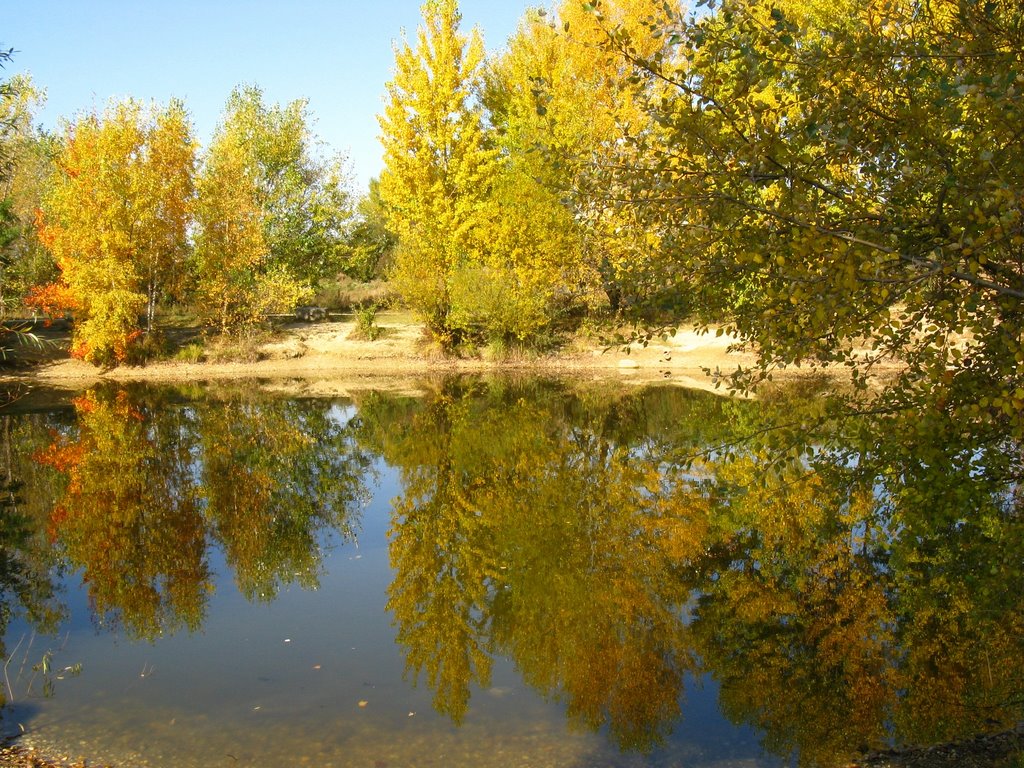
230,243
557,90
437,167
115,219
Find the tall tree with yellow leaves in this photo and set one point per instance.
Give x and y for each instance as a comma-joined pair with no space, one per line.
560,102
115,220
438,169
230,242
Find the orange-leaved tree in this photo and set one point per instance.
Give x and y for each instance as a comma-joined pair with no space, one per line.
115,217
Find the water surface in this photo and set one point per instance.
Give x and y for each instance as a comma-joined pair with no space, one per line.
495,573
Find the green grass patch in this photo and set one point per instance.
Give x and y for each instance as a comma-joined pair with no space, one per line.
191,353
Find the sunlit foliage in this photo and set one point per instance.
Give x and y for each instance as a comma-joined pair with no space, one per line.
559,102
369,244
302,197
231,245
826,177
438,170
115,220
130,517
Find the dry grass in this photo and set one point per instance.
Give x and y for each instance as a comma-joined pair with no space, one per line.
346,294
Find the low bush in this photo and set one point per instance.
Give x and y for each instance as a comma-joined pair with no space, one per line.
491,305
191,353
366,327
243,348
147,348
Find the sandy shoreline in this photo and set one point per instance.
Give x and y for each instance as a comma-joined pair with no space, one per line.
323,359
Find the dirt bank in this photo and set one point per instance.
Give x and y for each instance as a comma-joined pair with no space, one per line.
324,359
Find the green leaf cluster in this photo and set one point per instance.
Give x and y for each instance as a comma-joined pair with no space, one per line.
840,184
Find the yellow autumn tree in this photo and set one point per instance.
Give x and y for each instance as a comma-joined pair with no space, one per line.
560,104
229,240
843,189
115,218
438,169
238,279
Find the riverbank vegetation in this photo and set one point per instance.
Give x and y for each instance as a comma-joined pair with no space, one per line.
835,184
806,174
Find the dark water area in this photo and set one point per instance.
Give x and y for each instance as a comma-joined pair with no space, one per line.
493,573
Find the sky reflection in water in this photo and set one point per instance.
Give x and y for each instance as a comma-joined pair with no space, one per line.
263,581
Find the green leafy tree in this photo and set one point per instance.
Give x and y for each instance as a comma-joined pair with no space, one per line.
369,244
230,271
25,161
26,154
271,217
437,167
304,200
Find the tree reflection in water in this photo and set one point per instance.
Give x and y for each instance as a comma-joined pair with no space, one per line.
841,600
845,589
151,485
130,517
28,580
276,475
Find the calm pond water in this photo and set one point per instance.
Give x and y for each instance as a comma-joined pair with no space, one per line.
491,574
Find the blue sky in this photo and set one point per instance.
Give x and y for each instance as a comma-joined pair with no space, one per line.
337,54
